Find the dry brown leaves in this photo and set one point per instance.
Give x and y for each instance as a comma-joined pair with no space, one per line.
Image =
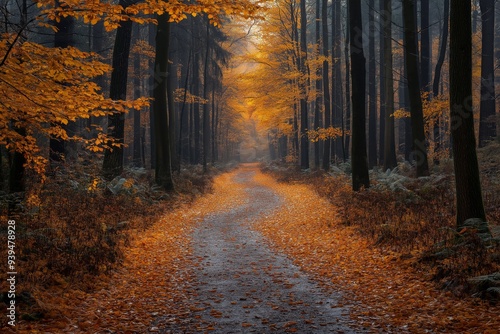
152,288
384,290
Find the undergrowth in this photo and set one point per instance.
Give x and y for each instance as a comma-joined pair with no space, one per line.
72,231
418,223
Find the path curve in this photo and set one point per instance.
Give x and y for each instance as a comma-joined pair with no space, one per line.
243,286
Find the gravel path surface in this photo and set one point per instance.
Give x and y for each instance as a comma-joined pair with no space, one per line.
245,287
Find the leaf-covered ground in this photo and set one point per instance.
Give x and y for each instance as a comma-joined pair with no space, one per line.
159,287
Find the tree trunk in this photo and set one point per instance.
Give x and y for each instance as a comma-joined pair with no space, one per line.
468,186
317,104
163,170
425,58
63,38
437,71
113,158
338,144
151,84
487,113
389,137
136,155
304,140
381,144
326,84
196,106
346,125
206,110
359,158
372,88
417,118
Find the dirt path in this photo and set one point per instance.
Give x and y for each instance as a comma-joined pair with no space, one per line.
245,287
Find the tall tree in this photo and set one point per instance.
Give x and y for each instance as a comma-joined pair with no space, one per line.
317,104
63,38
425,45
359,157
113,157
136,153
206,110
389,136
326,83
468,186
439,65
372,88
339,144
416,110
382,84
304,141
163,168
487,113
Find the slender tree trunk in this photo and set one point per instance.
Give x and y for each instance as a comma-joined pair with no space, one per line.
468,186
425,58
113,158
151,84
338,144
437,71
136,155
206,110
417,118
196,106
372,88
346,125
487,113
317,104
326,83
304,127
389,138
359,158
63,38
381,144
163,170
183,150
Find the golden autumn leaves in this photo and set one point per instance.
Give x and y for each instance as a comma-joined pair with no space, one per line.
44,88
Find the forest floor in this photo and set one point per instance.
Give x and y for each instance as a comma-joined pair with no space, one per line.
260,256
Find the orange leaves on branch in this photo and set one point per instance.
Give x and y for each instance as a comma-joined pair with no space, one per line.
324,133
111,14
44,89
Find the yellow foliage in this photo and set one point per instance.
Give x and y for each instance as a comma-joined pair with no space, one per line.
43,90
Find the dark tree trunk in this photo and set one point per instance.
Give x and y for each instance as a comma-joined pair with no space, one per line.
389,137
317,104
136,155
326,84
468,185
206,110
163,170
381,144
338,144
346,125
359,158
196,106
113,158
417,118
487,113
372,88
437,71
304,127
62,39
151,84
425,57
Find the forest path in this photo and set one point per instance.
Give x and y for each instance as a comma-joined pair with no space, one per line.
242,285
